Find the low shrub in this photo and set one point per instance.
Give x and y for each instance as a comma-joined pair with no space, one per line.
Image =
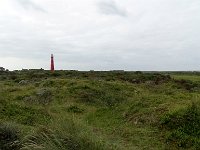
9,137
186,84
183,126
35,75
106,95
56,74
49,83
74,109
138,78
44,96
41,96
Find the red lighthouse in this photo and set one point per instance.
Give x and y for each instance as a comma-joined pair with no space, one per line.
52,63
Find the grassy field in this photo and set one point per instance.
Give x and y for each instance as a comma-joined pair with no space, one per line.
99,110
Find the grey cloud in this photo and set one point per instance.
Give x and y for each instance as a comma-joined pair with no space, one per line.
28,4
111,8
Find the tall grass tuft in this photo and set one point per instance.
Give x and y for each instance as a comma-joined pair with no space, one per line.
64,135
9,137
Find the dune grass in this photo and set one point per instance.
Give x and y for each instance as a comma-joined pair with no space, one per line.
98,111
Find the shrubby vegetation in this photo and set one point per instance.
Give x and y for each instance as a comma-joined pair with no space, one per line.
99,110
183,126
9,137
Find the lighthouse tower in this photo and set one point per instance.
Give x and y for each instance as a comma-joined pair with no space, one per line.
52,63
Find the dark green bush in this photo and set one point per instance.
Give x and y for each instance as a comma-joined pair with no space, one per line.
56,74
13,77
49,83
9,137
186,84
3,77
183,126
35,75
140,77
74,109
105,95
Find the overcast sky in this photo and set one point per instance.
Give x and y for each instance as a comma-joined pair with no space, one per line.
100,34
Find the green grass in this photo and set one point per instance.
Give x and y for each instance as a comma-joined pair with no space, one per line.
99,110
187,77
